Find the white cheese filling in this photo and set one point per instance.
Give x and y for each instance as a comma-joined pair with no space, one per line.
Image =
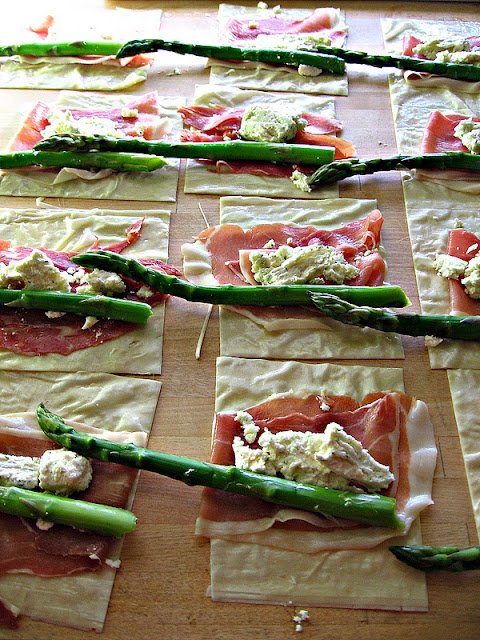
313,264
457,50
466,271
331,459
468,132
57,471
36,272
271,123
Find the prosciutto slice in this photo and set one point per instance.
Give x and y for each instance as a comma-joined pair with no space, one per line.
408,45
464,245
30,332
52,28
439,137
381,422
60,550
353,240
214,258
215,123
147,115
241,32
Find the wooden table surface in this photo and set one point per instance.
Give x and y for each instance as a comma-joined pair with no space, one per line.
160,590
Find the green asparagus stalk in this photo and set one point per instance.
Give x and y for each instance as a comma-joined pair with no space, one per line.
341,169
330,58
88,516
456,71
115,161
85,305
326,62
269,295
366,508
232,150
438,558
78,48
412,324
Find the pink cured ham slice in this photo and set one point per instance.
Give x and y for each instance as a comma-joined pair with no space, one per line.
410,42
219,120
464,245
439,134
439,137
30,332
61,550
321,21
213,124
357,241
224,242
379,423
408,46
32,129
45,27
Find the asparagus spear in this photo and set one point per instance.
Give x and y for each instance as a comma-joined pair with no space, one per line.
115,161
469,72
265,296
88,516
325,61
366,508
436,558
330,58
232,150
85,305
341,169
78,48
412,324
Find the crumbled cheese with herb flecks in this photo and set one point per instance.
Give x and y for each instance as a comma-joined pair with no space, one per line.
449,266
471,279
250,429
100,282
145,292
292,41
64,472
19,471
62,121
330,459
36,272
312,264
300,180
128,112
432,48
271,122
308,71
299,618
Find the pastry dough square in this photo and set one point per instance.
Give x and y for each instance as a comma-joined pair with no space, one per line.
240,336
81,74
262,76
202,178
138,352
157,186
367,579
464,385
98,400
